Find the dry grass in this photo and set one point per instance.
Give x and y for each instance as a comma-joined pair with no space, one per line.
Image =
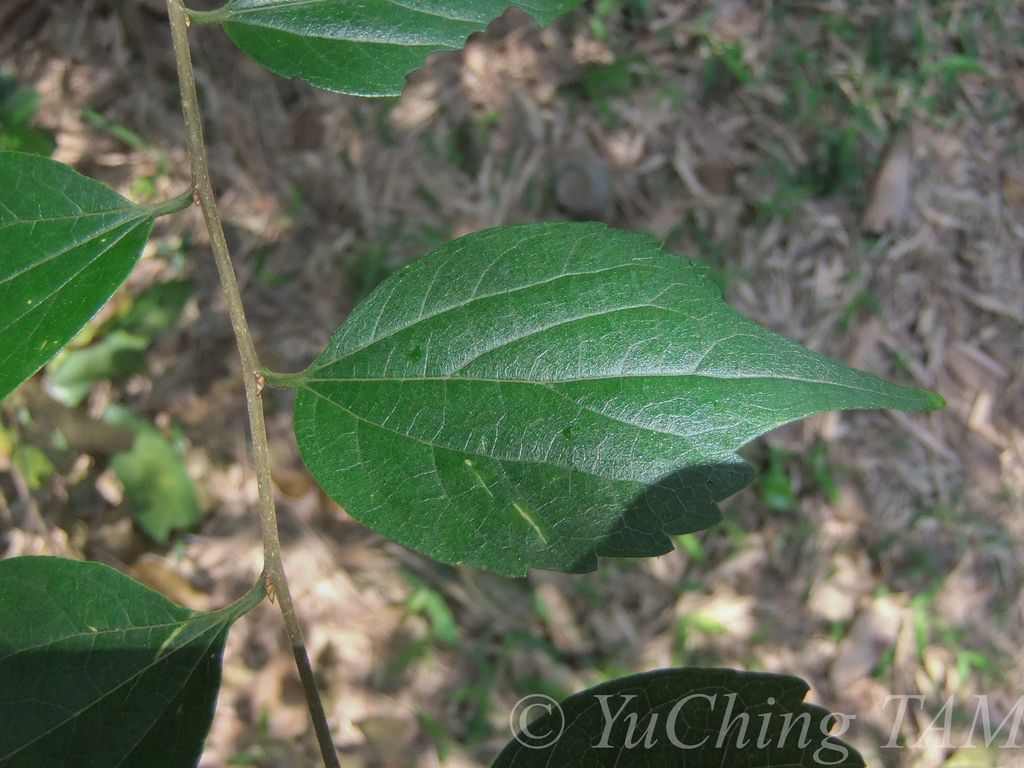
746,134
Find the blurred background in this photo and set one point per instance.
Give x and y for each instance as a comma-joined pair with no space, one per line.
852,172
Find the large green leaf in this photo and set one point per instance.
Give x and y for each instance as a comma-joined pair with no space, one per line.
66,244
365,48
540,395
705,718
99,670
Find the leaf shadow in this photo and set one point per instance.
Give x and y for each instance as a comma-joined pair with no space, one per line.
683,501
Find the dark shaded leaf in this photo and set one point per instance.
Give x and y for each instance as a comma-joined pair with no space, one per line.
99,670
705,718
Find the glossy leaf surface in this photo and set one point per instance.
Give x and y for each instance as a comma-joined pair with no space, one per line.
706,718
364,48
66,244
99,670
539,395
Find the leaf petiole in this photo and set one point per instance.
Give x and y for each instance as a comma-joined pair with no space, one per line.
179,203
210,17
285,380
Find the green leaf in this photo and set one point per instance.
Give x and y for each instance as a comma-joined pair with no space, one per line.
155,479
539,395
119,354
694,717
99,670
364,48
34,141
118,357
17,105
66,244
156,309
34,465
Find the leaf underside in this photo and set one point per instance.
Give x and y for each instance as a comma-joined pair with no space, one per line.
540,395
365,48
107,672
706,718
66,244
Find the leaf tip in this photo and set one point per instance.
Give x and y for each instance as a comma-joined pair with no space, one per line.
927,401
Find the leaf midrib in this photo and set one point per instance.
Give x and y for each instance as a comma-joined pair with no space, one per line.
134,209
609,377
470,452
83,241
83,634
547,386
